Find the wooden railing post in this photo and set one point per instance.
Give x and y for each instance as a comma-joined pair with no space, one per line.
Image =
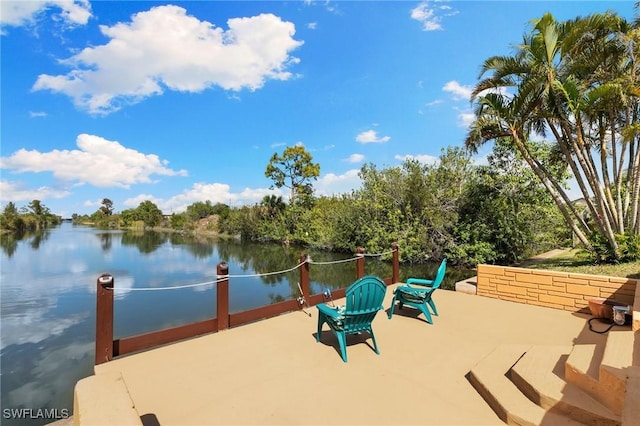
305,282
222,296
359,262
395,274
104,318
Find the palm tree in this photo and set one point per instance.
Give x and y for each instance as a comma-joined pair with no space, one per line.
578,81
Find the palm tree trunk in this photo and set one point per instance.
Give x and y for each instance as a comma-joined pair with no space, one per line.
601,213
618,163
614,216
634,171
577,175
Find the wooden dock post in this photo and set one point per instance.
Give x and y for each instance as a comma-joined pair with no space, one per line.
104,318
395,264
222,296
305,282
359,262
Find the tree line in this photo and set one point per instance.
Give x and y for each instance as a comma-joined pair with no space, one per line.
33,217
494,213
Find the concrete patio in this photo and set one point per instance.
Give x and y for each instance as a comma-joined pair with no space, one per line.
273,372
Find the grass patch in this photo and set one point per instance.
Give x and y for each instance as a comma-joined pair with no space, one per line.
569,261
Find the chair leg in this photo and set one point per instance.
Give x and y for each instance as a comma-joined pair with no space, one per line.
320,322
426,313
433,307
342,341
373,338
393,305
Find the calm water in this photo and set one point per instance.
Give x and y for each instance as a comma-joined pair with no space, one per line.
47,289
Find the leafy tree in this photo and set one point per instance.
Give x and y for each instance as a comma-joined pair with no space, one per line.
10,210
10,218
149,213
506,214
38,209
107,207
222,210
34,216
446,185
200,210
577,81
179,220
128,217
414,204
293,169
272,206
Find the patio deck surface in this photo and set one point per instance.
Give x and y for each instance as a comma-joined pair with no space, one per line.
273,372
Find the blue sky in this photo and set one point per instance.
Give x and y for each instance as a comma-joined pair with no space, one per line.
178,102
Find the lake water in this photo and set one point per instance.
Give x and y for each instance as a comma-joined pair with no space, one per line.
48,288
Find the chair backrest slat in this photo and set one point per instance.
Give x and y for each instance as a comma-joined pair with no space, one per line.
364,300
440,274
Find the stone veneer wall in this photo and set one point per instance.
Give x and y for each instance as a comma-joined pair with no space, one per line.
561,290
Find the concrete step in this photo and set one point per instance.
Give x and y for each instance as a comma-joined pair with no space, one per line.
539,374
582,367
489,378
636,347
631,411
617,358
603,372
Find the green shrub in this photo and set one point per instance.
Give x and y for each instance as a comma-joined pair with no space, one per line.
628,246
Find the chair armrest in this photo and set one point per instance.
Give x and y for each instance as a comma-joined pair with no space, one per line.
420,281
414,290
328,310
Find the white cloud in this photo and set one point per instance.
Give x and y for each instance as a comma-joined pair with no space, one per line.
21,12
355,158
164,48
98,162
480,160
33,319
328,184
423,158
458,91
465,119
537,137
332,184
36,114
328,5
371,136
430,13
461,93
12,191
214,192
134,202
96,203
312,25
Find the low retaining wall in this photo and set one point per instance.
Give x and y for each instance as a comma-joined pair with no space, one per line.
560,290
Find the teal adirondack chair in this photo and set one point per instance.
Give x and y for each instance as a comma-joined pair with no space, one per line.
364,300
421,296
